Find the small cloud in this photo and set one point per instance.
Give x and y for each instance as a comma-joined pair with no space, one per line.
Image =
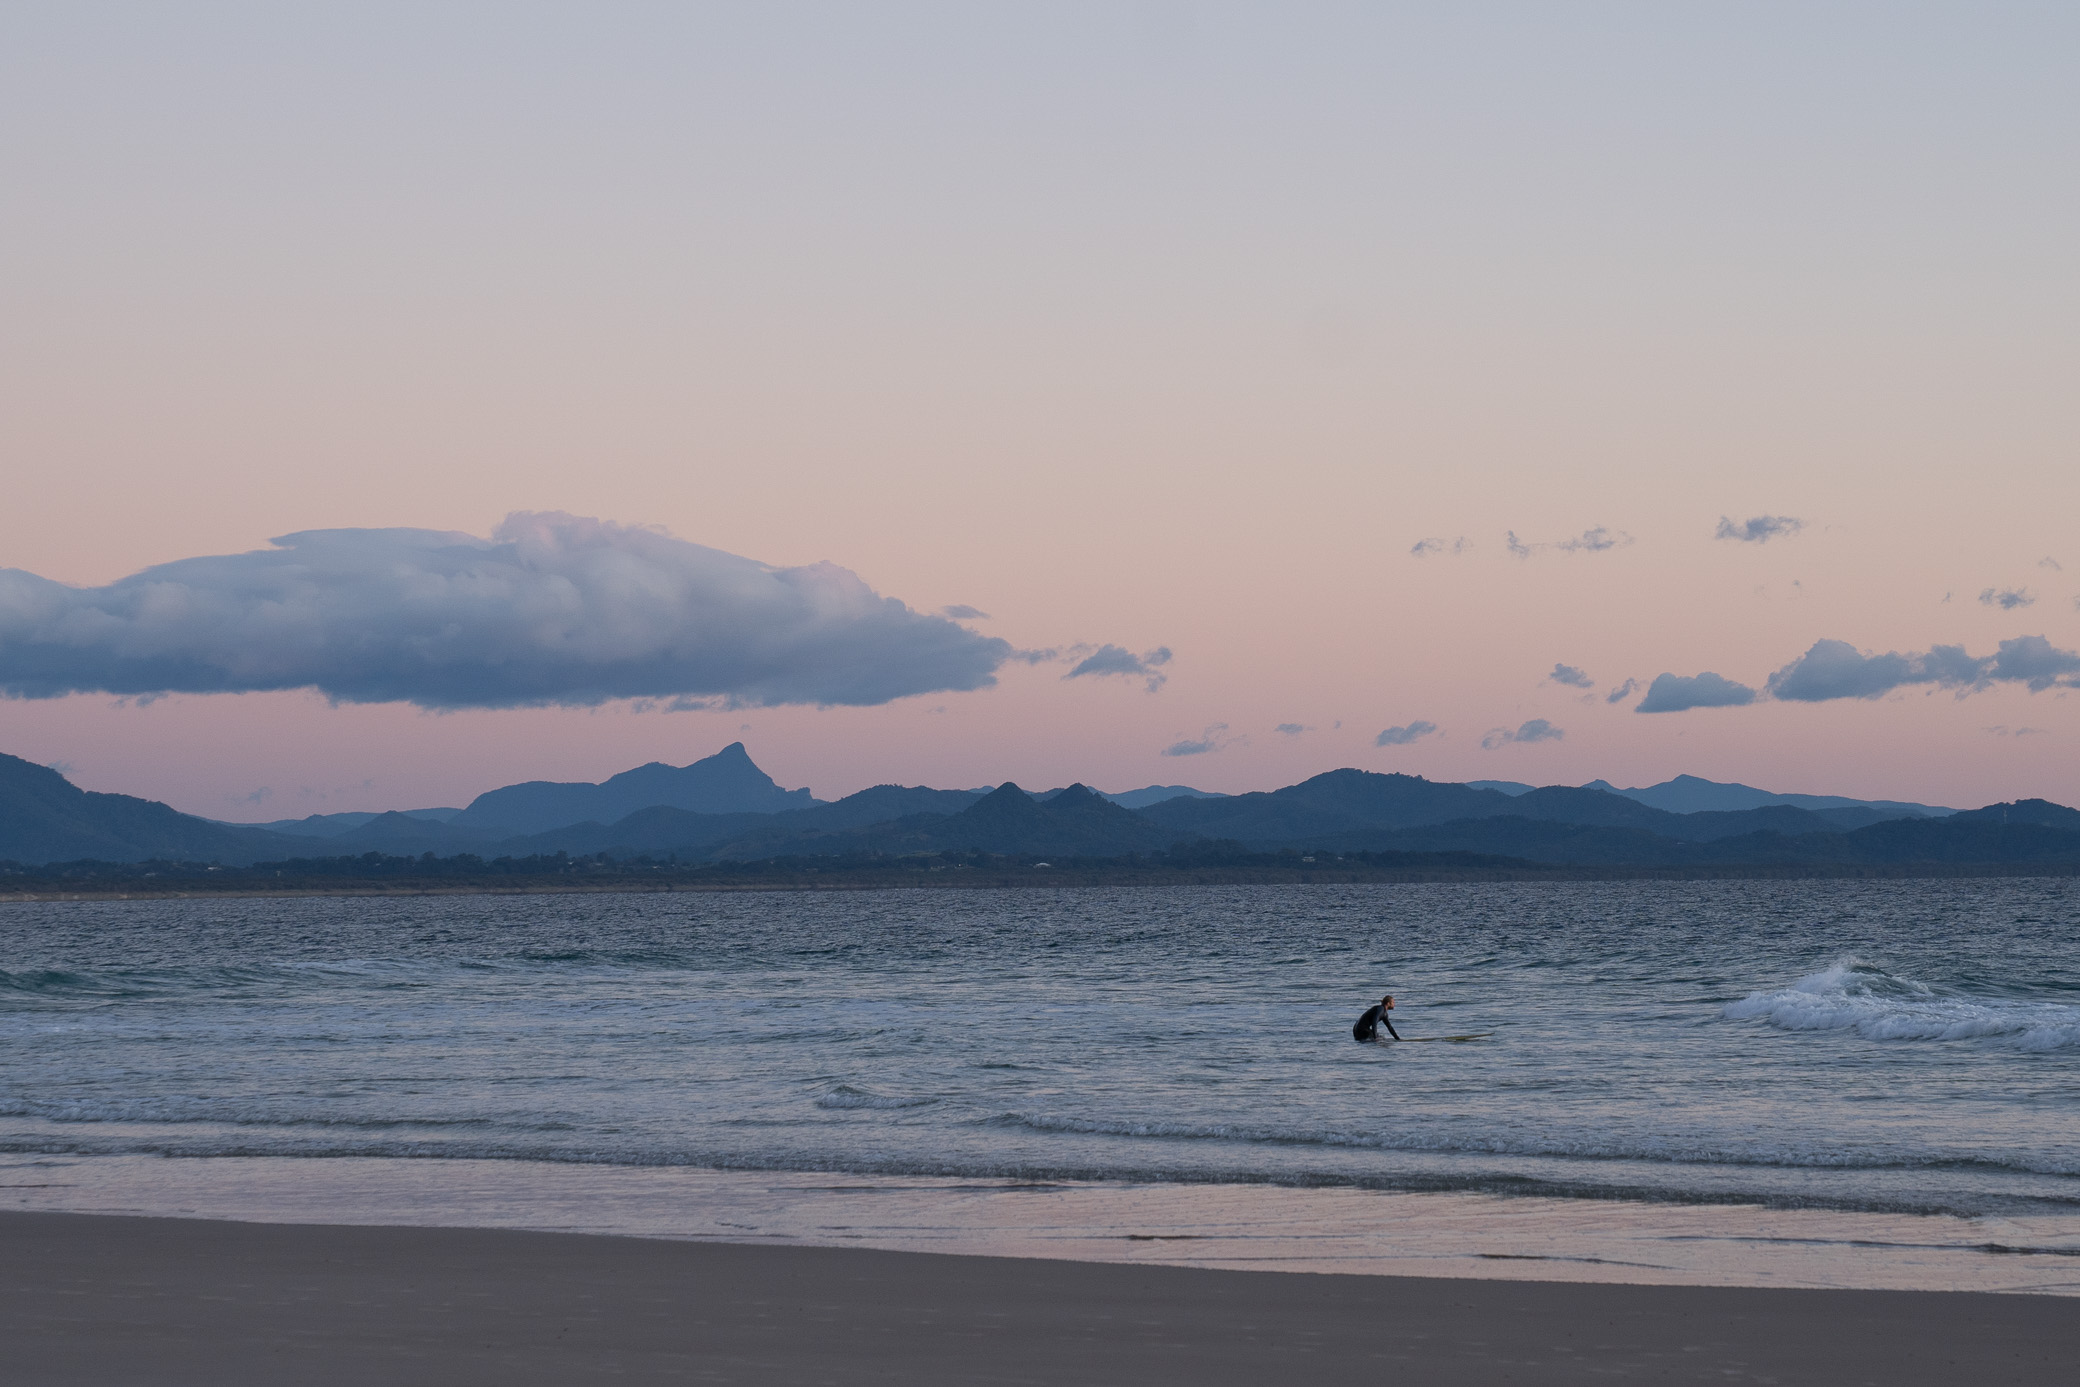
1594,540
2007,599
1536,730
1675,693
2005,731
1292,729
61,767
1622,692
259,796
1758,529
1112,659
1572,677
1210,740
1424,548
1036,657
961,611
1402,736
2053,564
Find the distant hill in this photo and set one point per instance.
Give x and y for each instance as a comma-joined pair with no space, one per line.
1690,794
2024,811
1895,842
725,783
46,818
332,825
1076,822
1156,794
1334,802
659,831
407,835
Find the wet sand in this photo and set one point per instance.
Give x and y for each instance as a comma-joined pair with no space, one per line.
98,1299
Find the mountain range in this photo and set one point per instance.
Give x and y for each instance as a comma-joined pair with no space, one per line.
725,809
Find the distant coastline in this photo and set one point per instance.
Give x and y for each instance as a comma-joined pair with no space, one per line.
722,824
414,877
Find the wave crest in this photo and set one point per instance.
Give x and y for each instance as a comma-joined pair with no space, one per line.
846,1096
1851,994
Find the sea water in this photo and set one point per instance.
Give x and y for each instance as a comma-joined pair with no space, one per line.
1894,1049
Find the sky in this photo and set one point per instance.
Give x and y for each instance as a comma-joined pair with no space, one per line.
945,394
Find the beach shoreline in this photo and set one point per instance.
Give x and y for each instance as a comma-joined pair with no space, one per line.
98,1298
1335,1230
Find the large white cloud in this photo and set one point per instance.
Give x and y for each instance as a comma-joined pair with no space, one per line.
552,609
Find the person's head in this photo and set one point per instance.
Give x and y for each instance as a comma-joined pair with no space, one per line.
1387,1002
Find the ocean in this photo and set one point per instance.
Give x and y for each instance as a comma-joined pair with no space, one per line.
1811,1049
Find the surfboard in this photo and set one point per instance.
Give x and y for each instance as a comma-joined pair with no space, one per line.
1419,1039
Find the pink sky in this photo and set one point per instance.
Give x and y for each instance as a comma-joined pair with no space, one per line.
1177,328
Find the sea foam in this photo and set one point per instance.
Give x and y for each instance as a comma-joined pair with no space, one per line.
1851,994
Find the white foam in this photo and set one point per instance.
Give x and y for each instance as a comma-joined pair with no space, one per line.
1853,995
846,1096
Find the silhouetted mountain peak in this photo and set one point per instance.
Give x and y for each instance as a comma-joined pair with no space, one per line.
728,782
1007,803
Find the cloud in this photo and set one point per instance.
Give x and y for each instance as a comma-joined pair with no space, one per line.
1673,693
1836,669
1207,741
1572,677
1622,692
1424,548
2033,661
961,611
1402,736
2005,731
551,610
2053,564
1113,659
1292,729
2007,599
1590,541
1758,529
1593,541
1536,730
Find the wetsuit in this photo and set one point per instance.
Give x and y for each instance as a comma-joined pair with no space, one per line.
1369,1024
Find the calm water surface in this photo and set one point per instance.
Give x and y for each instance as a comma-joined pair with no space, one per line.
1909,1046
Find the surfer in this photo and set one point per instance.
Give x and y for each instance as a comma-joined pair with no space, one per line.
1375,1017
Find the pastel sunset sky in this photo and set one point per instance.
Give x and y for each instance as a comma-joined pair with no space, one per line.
1182,393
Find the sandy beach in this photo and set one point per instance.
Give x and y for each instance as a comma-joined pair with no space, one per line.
97,1299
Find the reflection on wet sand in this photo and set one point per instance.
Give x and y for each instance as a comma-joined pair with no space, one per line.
1229,1226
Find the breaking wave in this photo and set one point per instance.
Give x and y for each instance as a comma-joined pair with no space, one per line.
846,1096
1853,995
